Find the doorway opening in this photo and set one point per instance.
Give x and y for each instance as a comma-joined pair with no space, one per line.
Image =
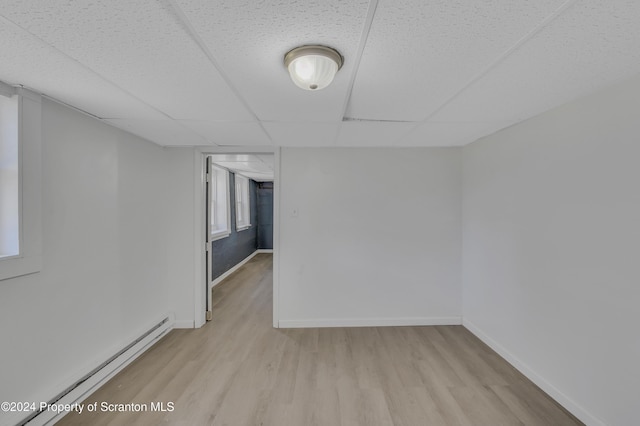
239,212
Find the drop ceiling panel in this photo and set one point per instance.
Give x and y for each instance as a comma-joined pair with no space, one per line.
258,177
226,133
302,134
162,132
246,166
249,170
141,46
232,158
375,133
449,134
256,167
267,159
250,39
28,61
143,63
592,44
419,53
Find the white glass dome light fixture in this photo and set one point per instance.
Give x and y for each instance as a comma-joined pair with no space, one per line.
313,67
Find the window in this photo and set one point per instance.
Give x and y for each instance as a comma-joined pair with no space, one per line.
20,182
219,208
243,220
9,178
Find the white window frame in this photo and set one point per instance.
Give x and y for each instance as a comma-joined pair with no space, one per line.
243,203
29,258
220,226
9,178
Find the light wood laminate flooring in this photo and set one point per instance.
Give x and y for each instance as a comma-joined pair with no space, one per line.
238,370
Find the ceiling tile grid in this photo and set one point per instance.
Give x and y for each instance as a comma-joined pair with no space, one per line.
449,134
141,46
419,53
162,132
592,44
230,133
29,62
259,167
203,72
302,134
250,38
372,133
268,159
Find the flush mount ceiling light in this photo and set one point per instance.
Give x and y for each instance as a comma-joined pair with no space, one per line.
313,67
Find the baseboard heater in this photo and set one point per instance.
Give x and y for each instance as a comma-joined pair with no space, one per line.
90,382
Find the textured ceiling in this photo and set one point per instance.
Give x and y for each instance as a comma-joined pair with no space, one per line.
416,73
259,167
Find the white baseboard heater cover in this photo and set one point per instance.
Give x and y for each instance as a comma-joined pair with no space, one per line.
89,383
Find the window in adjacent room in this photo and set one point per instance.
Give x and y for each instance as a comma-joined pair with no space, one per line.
242,203
220,218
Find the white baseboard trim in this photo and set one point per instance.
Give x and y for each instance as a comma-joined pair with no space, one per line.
264,251
562,399
236,267
184,324
369,322
101,374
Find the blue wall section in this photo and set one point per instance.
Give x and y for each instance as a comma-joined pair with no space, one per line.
265,215
228,252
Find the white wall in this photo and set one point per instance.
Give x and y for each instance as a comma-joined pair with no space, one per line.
551,251
376,240
103,280
549,214
179,206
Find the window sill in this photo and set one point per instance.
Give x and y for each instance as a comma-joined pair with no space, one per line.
242,228
219,235
14,267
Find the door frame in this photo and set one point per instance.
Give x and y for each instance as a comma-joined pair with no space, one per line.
200,226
